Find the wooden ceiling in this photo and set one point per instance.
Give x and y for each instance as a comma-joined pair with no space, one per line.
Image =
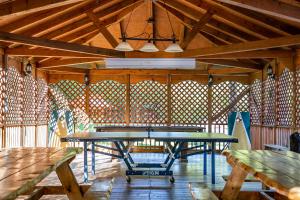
245,34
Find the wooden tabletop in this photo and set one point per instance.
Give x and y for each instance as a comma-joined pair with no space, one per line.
22,168
151,128
276,169
160,136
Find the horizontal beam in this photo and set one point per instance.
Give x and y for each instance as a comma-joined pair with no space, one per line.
253,55
243,47
69,70
54,44
20,7
24,51
231,70
53,63
231,63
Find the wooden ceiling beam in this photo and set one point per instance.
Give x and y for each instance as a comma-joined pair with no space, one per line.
245,46
34,19
78,35
269,22
230,63
20,7
226,17
69,70
53,63
54,44
215,41
259,54
102,29
196,28
40,52
86,23
212,23
270,7
71,16
231,70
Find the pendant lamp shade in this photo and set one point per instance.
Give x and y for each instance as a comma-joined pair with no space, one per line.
174,48
149,47
124,46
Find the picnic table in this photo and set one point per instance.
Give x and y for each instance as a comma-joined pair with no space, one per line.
21,169
278,170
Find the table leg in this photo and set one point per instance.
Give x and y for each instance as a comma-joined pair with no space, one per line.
93,158
85,164
69,182
234,183
213,163
204,160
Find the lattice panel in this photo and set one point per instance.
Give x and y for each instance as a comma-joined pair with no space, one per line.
269,102
148,103
255,102
74,92
13,100
298,98
285,99
107,101
189,103
223,95
2,94
42,102
29,97
58,101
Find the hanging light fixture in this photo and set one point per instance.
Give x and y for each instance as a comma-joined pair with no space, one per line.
210,80
28,68
149,46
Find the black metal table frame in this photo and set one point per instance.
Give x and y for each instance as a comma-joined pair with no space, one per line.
158,169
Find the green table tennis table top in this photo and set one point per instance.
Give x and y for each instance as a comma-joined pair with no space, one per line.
159,136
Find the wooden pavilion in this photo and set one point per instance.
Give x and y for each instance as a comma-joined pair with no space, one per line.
55,80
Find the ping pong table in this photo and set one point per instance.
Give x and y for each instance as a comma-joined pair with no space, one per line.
174,142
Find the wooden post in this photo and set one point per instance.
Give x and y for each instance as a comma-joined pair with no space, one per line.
87,96
295,92
22,106
276,100
209,104
127,109
261,108
4,66
35,108
169,116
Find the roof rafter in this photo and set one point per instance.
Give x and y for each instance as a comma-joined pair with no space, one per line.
270,7
231,63
102,29
19,7
196,28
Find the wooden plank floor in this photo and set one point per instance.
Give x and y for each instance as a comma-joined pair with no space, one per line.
147,188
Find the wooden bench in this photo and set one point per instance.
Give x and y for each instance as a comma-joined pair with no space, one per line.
100,189
275,147
201,191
